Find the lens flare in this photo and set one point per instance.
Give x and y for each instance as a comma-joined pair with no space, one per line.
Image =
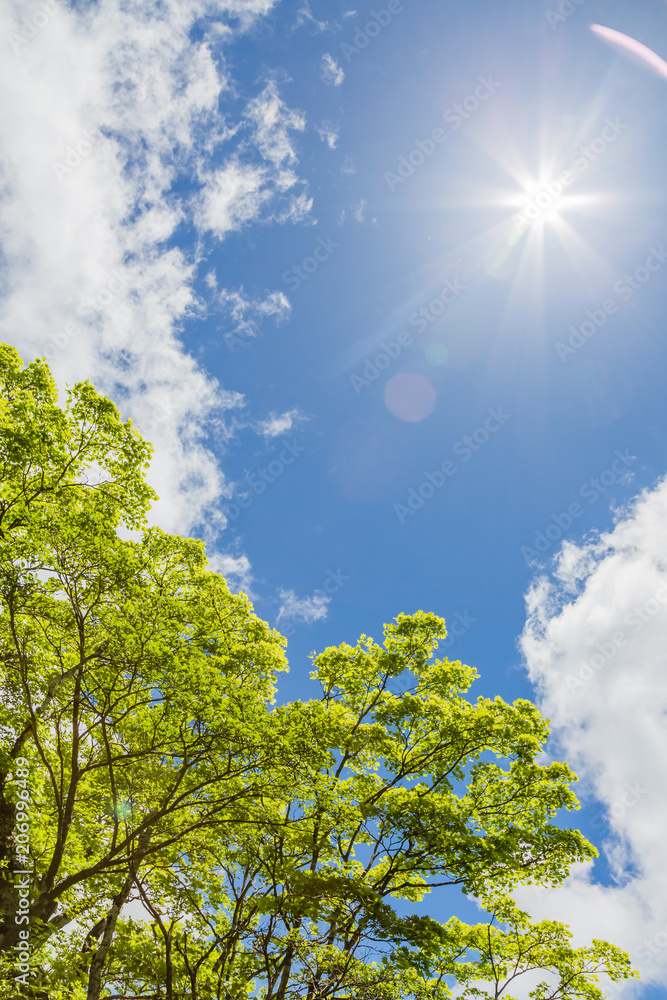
409,397
632,47
436,355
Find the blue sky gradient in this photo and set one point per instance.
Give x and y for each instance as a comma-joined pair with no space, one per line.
395,322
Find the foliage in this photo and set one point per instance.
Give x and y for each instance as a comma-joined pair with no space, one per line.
189,838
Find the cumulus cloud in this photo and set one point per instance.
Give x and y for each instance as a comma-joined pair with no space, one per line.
104,109
331,72
595,646
302,609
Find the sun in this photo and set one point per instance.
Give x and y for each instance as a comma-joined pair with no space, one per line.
543,201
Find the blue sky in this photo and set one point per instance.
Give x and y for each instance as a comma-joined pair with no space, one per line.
375,379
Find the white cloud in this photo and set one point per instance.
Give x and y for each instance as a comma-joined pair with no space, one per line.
101,111
298,207
302,609
237,192
331,72
273,122
246,314
329,135
305,15
595,645
280,423
235,569
359,209
232,196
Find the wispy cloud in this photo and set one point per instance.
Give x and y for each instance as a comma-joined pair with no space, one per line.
302,609
359,209
329,135
280,423
306,16
273,122
237,192
331,72
244,315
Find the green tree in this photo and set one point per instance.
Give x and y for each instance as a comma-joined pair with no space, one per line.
135,686
418,790
180,834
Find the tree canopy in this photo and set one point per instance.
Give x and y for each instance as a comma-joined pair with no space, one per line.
169,830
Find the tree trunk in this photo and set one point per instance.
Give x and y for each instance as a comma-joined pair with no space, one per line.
99,958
